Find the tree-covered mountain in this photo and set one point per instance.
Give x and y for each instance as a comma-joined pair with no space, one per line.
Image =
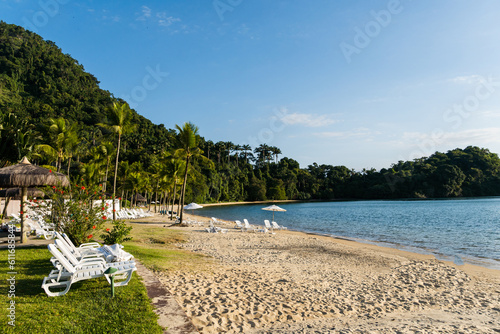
39,82
52,111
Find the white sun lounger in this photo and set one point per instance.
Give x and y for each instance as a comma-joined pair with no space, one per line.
68,273
278,227
41,231
247,226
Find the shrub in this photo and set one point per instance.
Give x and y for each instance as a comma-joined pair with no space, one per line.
118,234
73,211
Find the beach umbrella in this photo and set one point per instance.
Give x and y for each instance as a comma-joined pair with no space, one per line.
24,175
274,208
192,206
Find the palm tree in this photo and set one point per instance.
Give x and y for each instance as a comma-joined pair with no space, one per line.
209,145
246,148
107,151
64,140
124,171
263,152
275,150
229,147
188,150
173,169
119,121
237,149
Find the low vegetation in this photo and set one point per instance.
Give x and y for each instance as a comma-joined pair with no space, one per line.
86,308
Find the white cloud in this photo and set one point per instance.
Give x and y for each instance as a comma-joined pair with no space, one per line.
146,13
358,133
164,20
468,79
309,120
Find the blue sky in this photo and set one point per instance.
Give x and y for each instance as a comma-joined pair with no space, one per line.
356,83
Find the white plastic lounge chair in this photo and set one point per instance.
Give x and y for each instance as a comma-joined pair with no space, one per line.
40,230
68,273
278,227
267,224
113,253
79,252
217,229
239,225
247,226
86,245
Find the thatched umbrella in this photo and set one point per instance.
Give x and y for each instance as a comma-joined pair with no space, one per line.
25,175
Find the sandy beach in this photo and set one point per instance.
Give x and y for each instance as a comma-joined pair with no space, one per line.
293,282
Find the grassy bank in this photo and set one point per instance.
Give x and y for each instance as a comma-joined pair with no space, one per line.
155,247
86,308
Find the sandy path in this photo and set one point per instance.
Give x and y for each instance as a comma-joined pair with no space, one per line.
292,282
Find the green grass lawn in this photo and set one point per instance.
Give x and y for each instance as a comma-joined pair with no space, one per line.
86,308
155,248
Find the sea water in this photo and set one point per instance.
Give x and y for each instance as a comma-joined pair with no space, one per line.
460,230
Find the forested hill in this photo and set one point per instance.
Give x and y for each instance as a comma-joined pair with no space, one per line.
47,99
38,82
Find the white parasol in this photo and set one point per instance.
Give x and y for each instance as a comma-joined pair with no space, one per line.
274,208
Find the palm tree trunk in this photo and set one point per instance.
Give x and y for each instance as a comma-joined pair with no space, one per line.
106,179
173,202
184,188
116,173
69,165
156,194
121,201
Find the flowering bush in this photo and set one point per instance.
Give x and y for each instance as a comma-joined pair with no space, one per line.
118,234
73,212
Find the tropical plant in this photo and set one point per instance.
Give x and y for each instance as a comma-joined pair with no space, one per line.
188,150
119,122
118,234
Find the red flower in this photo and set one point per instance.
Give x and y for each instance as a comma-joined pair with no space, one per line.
93,227
83,188
120,198
90,236
107,230
100,185
50,170
114,210
104,217
53,187
100,197
102,209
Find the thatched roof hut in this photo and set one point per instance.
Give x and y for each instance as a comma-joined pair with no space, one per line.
25,175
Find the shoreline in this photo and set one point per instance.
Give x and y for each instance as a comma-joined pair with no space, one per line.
360,243
259,202
488,263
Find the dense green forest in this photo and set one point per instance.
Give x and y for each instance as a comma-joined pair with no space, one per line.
54,112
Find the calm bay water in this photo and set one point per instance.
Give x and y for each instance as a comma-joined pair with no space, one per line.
461,230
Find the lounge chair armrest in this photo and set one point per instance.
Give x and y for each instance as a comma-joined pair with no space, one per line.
90,244
90,262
